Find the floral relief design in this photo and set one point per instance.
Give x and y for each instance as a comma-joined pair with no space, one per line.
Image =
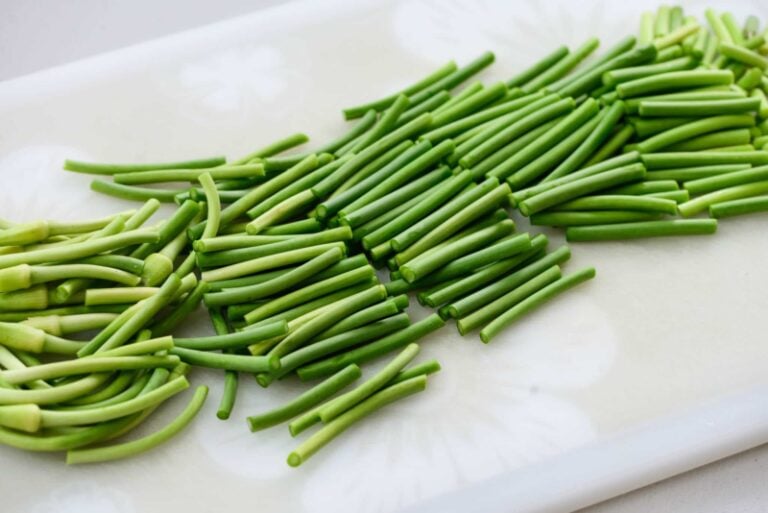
85,498
255,456
440,30
38,179
229,80
492,409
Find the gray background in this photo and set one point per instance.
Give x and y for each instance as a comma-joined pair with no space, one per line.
38,34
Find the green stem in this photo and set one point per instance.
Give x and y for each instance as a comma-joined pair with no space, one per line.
586,217
581,187
85,366
81,249
384,125
310,292
660,108
294,187
479,267
276,285
538,68
722,181
343,266
453,79
469,105
262,192
743,55
673,80
147,443
533,301
621,202
530,118
478,119
372,167
417,221
51,418
716,141
121,262
427,263
623,53
234,340
619,138
739,207
328,318
233,362
143,346
232,256
701,203
287,208
66,324
434,103
214,205
308,399
617,76
340,424
641,229
266,263
225,242
645,187
324,189
351,197
43,274
487,297
190,175
516,169
111,169
276,147
562,67
397,197
421,369
301,310
485,167
345,402
53,395
368,315
381,104
134,193
335,343
126,385
372,350
33,298
489,202
187,306
128,324
701,158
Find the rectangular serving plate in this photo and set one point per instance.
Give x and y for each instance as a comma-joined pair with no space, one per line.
654,368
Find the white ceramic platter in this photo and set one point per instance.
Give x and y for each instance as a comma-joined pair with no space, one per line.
655,367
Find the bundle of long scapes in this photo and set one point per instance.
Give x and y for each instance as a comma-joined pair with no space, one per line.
283,249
